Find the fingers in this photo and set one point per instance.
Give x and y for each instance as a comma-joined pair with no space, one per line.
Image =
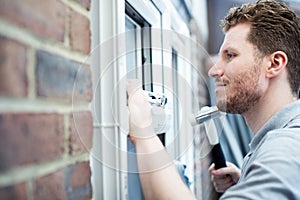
221,184
224,178
132,86
231,170
140,112
136,96
223,171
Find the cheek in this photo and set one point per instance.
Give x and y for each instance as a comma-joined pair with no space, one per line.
234,70
249,81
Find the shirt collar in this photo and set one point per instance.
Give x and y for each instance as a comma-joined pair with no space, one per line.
279,120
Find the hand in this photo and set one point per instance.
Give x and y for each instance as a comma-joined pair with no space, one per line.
225,177
140,118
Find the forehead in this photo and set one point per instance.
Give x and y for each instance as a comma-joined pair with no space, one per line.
236,37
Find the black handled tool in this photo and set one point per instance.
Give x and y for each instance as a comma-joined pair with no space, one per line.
218,156
206,116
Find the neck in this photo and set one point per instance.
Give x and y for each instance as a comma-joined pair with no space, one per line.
259,114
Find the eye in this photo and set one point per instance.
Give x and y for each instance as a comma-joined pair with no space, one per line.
230,56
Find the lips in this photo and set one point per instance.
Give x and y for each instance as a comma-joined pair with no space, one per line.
220,88
220,84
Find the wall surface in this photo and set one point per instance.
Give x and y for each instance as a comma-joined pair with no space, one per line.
45,89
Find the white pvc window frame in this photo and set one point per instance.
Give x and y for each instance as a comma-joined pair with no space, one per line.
108,23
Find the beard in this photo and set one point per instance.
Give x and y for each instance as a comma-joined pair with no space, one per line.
241,92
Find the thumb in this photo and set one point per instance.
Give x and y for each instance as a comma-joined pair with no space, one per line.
222,171
211,167
230,169
132,86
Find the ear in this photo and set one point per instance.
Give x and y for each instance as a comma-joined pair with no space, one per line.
278,61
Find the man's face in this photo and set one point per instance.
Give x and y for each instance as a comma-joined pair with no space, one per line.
237,72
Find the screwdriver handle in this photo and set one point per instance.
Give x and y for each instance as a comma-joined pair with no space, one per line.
218,156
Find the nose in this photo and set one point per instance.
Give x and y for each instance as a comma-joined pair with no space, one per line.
216,70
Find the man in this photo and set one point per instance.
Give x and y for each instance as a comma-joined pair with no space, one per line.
257,75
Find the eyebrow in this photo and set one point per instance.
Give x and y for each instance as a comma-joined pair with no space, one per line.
226,50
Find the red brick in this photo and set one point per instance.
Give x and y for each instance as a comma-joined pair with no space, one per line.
81,128
62,78
13,78
51,186
46,19
17,191
30,138
85,3
80,175
71,182
80,34
78,180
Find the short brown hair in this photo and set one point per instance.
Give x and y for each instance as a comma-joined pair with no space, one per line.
274,27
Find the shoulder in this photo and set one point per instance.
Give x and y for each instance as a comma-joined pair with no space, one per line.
279,148
282,141
277,158
273,169
279,139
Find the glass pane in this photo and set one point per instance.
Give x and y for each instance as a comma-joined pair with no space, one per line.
131,47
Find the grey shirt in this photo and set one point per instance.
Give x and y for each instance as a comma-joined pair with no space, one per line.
271,169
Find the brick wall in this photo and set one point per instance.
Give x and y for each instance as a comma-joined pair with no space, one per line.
45,88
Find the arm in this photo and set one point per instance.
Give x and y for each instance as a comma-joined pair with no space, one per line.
225,177
158,175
